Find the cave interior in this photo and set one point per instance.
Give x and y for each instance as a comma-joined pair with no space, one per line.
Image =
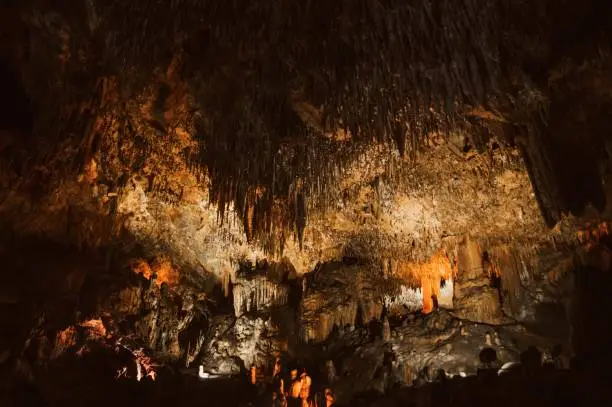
315,204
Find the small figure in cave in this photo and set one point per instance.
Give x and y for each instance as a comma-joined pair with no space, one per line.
305,383
394,369
488,358
556,354
277,401
153,280
329,398
331,371
389,359
278,384
293,399
441,394
434,300
423,377
531,360
253,376
278,366
380,380
163,290
374,329
441,376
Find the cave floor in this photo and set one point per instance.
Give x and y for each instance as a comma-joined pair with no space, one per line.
520,388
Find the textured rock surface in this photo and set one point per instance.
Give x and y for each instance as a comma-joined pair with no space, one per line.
257,293
476,299
411,210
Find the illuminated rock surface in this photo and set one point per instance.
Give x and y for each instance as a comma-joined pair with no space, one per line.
386,188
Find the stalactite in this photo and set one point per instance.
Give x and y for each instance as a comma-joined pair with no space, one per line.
591,234
257,293
338,295
342,316
371,309
193,351
410,299
413,70
429,290
412,273
505,263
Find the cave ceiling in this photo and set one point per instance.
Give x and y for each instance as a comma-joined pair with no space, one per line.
215,132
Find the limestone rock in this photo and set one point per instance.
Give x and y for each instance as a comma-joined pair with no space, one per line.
475,298
257,293
340,295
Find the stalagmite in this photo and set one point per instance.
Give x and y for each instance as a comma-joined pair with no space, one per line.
331,371
305,383
296,387
371,310
193,352
341,316
342,294
329,398
475,299
386,330
226,280
139,373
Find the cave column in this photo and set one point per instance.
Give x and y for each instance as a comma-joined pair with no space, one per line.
474,298
430,287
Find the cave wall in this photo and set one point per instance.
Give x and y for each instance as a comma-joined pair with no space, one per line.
129,138
337,313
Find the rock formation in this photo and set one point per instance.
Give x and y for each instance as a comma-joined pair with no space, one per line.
375,191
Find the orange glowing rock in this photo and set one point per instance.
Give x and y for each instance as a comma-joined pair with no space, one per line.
305,383
427,296
296,385
144,362
329,398
591,235
64,340
96,328
426,275
161,267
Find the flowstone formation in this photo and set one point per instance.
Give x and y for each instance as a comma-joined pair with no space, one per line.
374,190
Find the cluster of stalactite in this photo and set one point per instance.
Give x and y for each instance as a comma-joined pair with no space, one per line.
591,234
410,60
257,293
363,87
319,325
390,71
337,295
421,282
407,299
